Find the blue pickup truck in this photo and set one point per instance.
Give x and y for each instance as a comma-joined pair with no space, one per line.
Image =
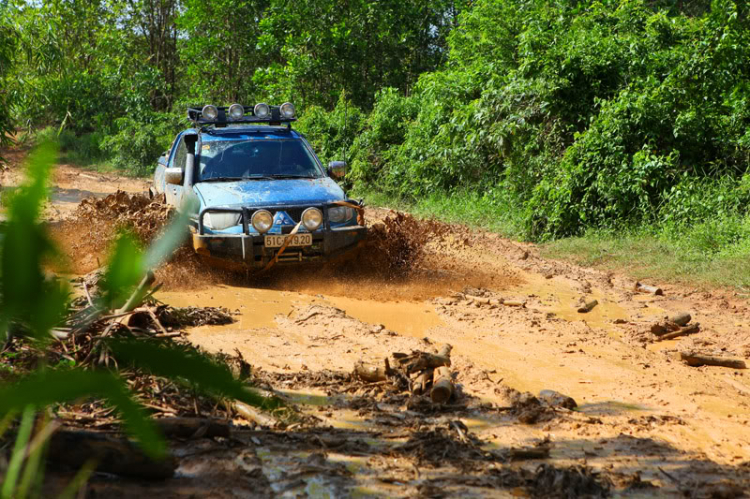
263,197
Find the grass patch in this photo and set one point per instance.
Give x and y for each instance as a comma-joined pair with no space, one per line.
467,208
708,254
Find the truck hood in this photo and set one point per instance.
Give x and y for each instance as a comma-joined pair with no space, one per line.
269,192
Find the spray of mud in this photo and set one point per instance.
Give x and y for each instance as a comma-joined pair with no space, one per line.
394,262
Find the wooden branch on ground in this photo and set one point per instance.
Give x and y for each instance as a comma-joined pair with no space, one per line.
369,372
645,288
254,415
136,298
421,382
697,359
442,385
684,331
588,306
664,327
419,361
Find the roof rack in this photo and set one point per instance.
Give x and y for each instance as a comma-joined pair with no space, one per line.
195,114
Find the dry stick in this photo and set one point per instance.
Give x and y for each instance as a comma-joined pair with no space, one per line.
158,324
514,303
645,288
662,328
254,415
419,386
442,385
88,295
691,329
140,292
697,359
587,306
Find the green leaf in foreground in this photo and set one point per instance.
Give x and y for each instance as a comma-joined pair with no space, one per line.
50,387
175,362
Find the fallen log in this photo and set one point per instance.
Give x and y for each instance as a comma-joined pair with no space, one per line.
683,331
369,372
680,318
74,448
514,303
419,361
442,385
178,427
697,359
645,288
587,306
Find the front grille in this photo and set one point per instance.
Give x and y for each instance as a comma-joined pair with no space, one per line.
295,213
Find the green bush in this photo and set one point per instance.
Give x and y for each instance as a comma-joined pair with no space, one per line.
140,141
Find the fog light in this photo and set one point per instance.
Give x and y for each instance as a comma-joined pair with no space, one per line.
210,112
262,110
236,111
340,214
287,110
262,220
312,218
221,221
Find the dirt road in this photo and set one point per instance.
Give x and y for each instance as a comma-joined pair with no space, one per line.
651,425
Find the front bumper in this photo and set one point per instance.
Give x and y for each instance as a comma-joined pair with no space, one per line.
248,248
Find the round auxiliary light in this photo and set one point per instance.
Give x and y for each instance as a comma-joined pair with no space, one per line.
210,112
287,110
312,218
236,111
262,110
262,221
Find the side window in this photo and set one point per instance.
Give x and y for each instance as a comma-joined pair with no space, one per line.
180,155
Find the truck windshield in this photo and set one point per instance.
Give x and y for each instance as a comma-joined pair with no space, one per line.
247,159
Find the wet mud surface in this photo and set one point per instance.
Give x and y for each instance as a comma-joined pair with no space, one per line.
643,423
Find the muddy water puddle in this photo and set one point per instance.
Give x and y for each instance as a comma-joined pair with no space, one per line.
258,308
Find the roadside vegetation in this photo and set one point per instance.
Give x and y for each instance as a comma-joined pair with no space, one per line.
620,123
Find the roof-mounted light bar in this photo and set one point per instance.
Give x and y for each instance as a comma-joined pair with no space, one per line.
237,113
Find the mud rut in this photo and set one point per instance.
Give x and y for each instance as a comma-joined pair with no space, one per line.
645,425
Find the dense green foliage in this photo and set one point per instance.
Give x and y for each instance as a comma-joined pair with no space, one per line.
570,114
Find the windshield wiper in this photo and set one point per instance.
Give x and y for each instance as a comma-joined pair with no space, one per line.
234,179
281,175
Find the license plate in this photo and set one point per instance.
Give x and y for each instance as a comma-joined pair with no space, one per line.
297,240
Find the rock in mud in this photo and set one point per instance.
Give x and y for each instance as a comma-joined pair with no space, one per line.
556,399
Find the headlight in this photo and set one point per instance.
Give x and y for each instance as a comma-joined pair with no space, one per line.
236,111
210,112
262,110
340,214
262,220
287,110
312,218
221,221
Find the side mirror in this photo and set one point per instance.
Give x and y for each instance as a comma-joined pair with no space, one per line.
337,169
173,176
